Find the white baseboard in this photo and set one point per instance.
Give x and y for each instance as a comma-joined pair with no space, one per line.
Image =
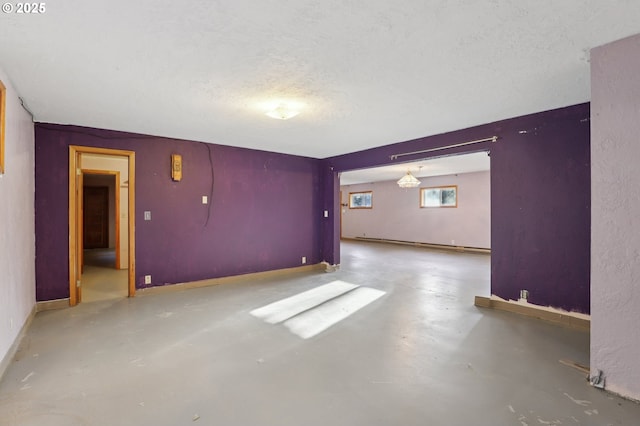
419,244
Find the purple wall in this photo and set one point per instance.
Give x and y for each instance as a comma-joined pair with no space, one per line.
540,201
265,208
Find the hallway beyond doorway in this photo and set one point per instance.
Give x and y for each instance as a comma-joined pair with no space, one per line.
100,279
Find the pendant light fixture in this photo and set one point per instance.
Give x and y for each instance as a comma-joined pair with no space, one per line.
408,181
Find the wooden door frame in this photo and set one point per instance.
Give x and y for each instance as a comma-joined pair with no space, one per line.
75,151
116,207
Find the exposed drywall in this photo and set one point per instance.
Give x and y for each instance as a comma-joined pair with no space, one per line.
17,275
540,201
264,210
119,164
615,239
396,212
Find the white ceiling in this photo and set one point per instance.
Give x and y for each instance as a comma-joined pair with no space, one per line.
449,165
368,73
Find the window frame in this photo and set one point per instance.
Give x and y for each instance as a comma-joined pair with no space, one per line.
364,193
441,205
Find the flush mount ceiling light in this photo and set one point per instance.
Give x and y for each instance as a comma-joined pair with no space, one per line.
282,112
408,181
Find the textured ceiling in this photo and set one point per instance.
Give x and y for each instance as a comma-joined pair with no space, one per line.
367,73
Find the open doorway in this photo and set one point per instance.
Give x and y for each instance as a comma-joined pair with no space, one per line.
374,206
449,210
101,224
103,275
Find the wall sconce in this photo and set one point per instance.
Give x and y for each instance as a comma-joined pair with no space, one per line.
176,167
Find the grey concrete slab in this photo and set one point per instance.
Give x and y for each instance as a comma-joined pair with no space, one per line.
420,354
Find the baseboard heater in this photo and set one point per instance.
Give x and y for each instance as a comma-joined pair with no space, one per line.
427,245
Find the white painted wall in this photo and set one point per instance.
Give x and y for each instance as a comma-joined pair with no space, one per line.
396,213
17,222
615,213
120,164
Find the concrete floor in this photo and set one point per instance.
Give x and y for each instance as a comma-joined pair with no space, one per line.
100,279
422,354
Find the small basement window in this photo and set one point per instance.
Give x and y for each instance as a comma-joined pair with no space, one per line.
361,200
439,196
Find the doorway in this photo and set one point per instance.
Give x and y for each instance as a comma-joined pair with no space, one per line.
103,275
100,210
407,216
96,216
101,222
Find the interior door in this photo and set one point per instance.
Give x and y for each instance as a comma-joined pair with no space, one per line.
96,217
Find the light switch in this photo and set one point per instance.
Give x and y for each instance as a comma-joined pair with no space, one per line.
147,215
326,213
205,199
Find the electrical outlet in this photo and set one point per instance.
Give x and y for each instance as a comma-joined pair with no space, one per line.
205,199
326,213
304,259
147,279
453,242
524,294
